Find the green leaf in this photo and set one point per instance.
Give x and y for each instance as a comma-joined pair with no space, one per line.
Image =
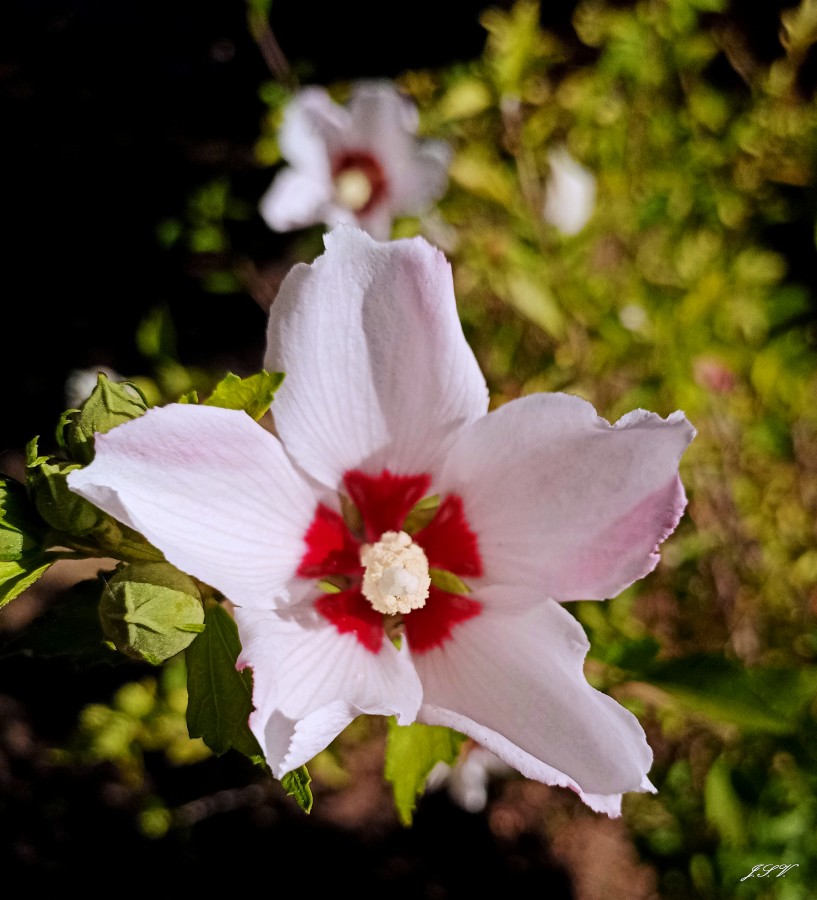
156,335
412,751
18,575
722,805
632,654
759,699
799,28
253,395
219,699
532,298
296,784
19,528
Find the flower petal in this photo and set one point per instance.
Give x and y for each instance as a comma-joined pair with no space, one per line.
311,131
570,193
310,682
383,121
379,374
376,221
434,624
384,500
212,490
448,541
295,200
423,180
511,679
563,501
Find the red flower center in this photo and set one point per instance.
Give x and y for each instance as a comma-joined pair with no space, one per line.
360,182
384,502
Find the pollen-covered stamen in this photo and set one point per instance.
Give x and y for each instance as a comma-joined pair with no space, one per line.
359,180
353,189
396,578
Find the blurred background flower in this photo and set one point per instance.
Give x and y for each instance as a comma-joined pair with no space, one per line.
361,164
570,193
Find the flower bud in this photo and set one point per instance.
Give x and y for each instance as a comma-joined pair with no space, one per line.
18,526
110,404
58,505
151,611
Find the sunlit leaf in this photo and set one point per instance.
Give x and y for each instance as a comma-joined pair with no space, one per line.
412,751
18,575
219,697
296,784
20,531
722,805
253,394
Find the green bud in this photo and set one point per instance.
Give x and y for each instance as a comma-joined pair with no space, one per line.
123,543
19,530
151,611
110,404
58,505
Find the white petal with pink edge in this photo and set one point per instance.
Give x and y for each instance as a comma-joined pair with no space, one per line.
512,679
310,682
212,490
379,374
565,502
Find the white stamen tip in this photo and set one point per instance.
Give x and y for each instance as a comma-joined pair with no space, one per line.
396,579
353,189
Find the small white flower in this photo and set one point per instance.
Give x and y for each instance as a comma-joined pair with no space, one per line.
570,193
468,779
360,164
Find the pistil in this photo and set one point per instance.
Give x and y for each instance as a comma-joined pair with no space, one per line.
396,578
353,189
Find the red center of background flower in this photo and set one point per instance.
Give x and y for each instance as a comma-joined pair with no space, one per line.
383,502
358,161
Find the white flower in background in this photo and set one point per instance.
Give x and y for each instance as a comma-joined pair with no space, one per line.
540,501
467,781
360,164
80,384
570,193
